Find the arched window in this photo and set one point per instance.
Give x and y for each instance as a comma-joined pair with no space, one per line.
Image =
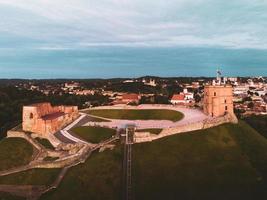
31,116
214,93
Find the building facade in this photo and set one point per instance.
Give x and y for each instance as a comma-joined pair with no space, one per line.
43,119
218,100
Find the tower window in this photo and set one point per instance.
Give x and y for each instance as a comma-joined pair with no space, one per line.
226,108
225,101
214,93
31,116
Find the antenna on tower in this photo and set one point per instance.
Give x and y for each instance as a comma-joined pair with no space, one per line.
219,76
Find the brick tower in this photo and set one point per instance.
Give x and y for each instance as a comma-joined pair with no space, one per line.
218,100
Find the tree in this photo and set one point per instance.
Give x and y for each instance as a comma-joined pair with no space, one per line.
250,105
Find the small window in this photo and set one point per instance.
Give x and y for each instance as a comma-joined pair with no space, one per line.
226,108
214,93
225,101
31,116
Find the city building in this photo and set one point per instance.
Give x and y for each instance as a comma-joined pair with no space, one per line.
44,119
178,99
184,97
130,98
150,82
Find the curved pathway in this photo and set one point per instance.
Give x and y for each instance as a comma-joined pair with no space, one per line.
191,115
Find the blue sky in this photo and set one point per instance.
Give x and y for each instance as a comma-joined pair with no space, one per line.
31,28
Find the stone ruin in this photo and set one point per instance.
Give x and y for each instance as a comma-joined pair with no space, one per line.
44,119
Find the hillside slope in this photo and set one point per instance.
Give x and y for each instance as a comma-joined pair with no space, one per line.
225,162
228,162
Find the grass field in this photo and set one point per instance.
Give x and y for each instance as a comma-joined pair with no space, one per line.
96,119
93,134
31,177
224,163
228,162
258,122
151,130
14,152
145,114
45,143
98,178
6,196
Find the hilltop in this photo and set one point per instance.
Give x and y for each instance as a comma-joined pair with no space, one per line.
224,162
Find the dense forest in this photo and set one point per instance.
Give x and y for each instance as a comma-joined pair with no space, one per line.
12,99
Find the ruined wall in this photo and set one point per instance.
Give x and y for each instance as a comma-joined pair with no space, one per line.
138,138
44,119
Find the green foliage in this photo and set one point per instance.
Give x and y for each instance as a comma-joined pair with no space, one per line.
93,134
14,152
12,100
131,114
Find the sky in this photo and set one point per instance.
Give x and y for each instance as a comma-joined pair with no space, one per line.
127,38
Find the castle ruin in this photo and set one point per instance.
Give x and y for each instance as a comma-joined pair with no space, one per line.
218,100
44,119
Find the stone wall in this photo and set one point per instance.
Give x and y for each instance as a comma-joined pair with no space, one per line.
205,124
45,119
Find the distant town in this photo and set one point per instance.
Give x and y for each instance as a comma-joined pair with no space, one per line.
250,93
55,125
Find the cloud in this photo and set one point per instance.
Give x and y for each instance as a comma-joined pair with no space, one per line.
60,24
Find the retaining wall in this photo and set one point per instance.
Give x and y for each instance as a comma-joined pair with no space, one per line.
205,124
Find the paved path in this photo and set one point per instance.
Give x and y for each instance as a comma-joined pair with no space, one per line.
66,135
190,116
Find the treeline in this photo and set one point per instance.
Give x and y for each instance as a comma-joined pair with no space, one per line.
12,100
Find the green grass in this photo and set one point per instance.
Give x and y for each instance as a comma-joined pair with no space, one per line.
145,114
45,143
14,152
152,130
228,162
48,158
93,134
98,178
96,119
31,177
6,196
258,122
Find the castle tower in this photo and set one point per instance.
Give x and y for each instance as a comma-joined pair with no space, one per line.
218,100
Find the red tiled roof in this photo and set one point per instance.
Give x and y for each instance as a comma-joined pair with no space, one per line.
178,97
52,116
130,96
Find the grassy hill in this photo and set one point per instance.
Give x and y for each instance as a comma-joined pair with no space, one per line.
93,134
144,114
258,122
98,178
228,162
225,162
14,152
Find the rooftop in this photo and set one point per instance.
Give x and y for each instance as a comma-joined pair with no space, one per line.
53,116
